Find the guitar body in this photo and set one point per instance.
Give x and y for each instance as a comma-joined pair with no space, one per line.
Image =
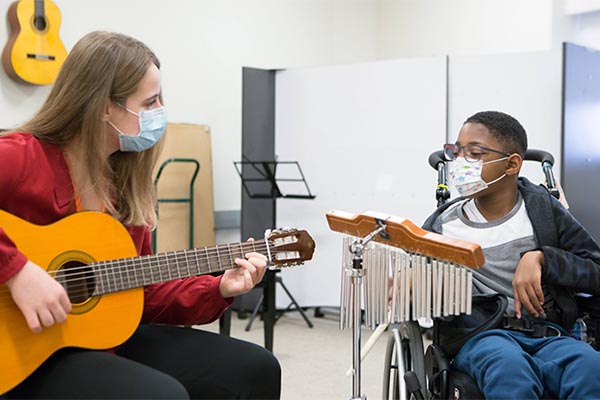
99,322
34,52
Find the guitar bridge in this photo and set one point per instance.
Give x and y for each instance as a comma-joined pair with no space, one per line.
45,57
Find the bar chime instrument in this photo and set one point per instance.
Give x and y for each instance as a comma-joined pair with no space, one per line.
406,274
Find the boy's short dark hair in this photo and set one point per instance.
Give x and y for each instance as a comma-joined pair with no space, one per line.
505,128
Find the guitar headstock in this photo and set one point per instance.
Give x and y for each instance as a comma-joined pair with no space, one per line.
288,247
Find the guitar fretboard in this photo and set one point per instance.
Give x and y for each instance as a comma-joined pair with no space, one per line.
128,273
39,14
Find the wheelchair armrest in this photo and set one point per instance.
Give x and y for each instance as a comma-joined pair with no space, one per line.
588,303
446,382
439,358
437,368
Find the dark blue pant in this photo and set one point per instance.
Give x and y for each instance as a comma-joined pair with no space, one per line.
512,365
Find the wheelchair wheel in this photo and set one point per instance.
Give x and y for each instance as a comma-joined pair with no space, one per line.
404,353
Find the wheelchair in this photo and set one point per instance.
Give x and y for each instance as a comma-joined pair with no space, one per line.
412,372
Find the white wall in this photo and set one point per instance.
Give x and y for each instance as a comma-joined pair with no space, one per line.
203,45
475,27
574,7
585,29
464,27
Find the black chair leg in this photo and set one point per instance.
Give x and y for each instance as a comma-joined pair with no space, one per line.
269,309
225,323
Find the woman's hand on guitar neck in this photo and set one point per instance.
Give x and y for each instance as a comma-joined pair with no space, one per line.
241,280
41,299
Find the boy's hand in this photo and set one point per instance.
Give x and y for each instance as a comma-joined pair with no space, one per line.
527,284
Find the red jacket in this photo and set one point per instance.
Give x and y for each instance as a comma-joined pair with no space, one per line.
35,185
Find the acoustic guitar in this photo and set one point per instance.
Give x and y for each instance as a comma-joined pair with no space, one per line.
34,52
92,255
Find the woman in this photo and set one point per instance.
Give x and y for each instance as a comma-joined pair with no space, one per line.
93,145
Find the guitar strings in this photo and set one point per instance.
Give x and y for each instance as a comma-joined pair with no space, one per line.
120,268
149,262
124,265
177,256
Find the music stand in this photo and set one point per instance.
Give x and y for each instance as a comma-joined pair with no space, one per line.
272,180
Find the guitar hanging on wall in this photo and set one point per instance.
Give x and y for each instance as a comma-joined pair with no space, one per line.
34,52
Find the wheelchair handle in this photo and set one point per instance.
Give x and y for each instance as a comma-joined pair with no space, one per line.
547,161
540,155
437,162
436,158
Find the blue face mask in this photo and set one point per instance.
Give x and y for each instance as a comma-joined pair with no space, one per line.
152,126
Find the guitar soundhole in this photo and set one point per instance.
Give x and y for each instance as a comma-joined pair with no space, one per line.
39,23
78,280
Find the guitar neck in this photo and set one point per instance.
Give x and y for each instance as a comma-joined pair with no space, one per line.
129,273
39,15
39,8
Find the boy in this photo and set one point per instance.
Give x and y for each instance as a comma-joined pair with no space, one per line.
537,255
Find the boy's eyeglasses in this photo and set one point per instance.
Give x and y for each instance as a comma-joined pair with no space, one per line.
472,152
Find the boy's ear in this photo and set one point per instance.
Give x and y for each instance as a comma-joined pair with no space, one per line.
514,164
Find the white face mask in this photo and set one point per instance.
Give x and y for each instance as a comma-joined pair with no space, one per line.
465,176
152,127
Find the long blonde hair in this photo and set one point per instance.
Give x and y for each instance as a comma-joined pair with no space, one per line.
102,67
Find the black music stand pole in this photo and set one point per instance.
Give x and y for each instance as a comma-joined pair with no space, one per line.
260,181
